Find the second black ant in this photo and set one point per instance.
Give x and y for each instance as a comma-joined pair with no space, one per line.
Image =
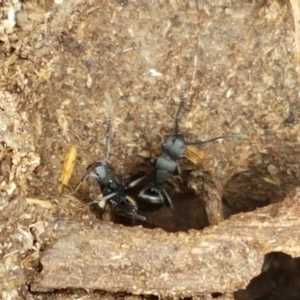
154,196
113,185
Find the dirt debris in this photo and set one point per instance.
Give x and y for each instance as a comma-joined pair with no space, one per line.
59,58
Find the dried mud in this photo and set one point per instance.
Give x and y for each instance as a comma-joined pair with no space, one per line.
57,61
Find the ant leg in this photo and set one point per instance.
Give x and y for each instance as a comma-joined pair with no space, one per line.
105,198
167,199
136,182
129,211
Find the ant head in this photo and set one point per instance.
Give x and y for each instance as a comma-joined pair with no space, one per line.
100,171
174,146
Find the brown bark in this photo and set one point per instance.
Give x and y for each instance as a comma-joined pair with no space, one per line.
219,259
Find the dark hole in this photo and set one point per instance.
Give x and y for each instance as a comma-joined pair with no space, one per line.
188,211
186,214
278,280
262,184
216,295
37,266
150,297
73,293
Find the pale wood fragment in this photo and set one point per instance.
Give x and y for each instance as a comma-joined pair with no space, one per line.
296,14
219,259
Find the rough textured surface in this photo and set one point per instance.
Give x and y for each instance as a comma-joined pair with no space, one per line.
141,261
58,58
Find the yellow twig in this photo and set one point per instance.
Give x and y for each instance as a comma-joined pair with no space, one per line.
67,168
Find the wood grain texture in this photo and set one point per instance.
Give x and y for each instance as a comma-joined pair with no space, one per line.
219,259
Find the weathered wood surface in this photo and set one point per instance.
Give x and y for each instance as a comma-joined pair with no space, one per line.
220,259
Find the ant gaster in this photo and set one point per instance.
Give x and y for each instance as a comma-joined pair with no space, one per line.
154,196
113,185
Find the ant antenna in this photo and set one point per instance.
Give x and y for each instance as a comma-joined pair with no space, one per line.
181,103
107,140
236,136
107,136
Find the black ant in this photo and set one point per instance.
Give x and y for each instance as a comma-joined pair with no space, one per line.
154,196
113,186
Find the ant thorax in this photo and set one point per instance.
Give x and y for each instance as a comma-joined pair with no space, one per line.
103,172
